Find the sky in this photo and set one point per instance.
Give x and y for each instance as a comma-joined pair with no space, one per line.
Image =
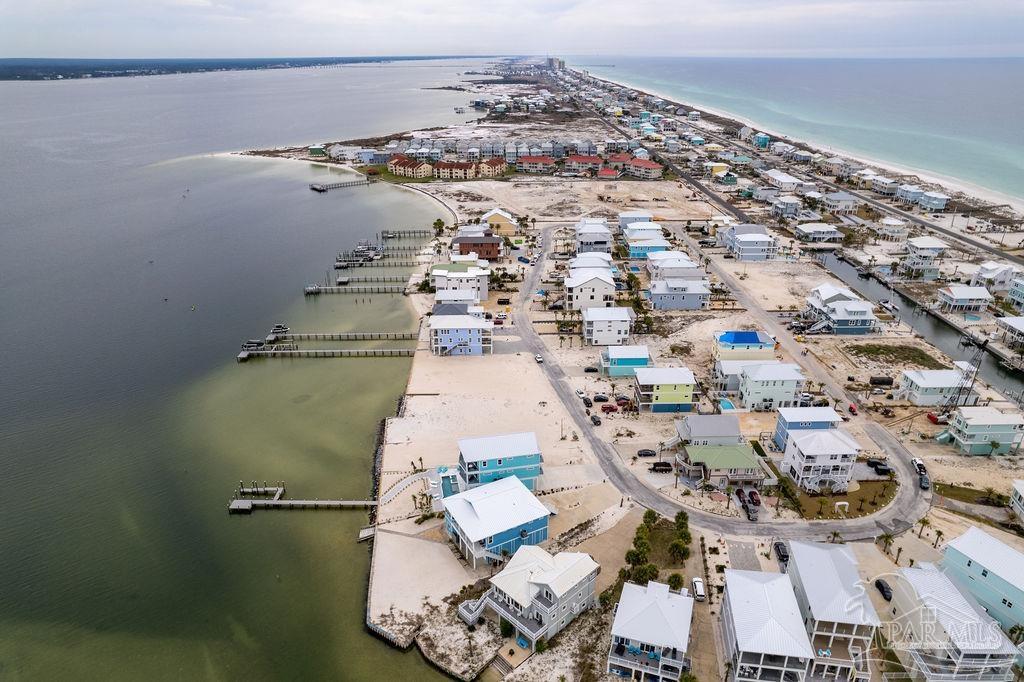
316,28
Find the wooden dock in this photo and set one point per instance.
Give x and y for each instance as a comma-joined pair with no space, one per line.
326,187
317,289
343,264
343,336
247,355
399,234
276,501
344,281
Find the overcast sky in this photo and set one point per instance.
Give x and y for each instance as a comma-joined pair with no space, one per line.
273,28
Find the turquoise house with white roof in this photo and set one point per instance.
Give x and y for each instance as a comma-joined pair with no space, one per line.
991,571
623,361
491,458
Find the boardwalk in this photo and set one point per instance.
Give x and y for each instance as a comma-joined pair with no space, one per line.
326,187
344,264
343,336
247,355
277,501
317,289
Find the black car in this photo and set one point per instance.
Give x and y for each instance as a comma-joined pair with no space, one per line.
661,467
646,453
590,369
600,398
595,420
884,589
874,462
781,551
883,470
588,402
924,482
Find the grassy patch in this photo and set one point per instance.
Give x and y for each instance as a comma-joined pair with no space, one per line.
683,348
385,176
662,535
910,355
970,495
867,499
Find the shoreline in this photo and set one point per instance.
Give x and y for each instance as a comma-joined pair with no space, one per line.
949,183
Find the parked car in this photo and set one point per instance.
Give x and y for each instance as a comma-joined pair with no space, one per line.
755,499
661,467
556,306
878,391
741,496
781,551
600,398
728,256
852,408
884,589
590,369
874,462
698,589
646,452
919,466
580,393
938,418
502,316
883,470
588,402
595,420
924,482
608,408
523,259
538,358
498,323
504,301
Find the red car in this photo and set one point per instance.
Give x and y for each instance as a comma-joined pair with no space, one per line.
852,408
608,407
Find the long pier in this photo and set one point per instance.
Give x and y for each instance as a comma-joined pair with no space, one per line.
277,501
343,264
326,187
343,336
247,355
398,234
317,289
342,281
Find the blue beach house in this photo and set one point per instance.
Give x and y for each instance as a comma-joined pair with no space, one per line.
488,524
761,141
623,361
802,419
991,571
641,247
461,335
490,458
745,345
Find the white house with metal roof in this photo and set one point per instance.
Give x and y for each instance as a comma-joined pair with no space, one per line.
641,231
838,310
461,335
946,634
538,593
754,247
818,459
763,628
608,326
922,256
709,429
1017,499
638,215
650,633
589,288
726,373
994,276
838,615
679,294
768,387
818,232
927,387
840,203
990,570
960,299
489,523
593,237
461,276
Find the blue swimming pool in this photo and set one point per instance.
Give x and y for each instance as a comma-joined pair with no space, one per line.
726,404
634,268
971,318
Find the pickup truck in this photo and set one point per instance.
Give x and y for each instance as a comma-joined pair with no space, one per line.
523,259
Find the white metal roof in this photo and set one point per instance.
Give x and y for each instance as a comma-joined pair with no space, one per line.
532,568
985,415
664,375
682,286
958,292
506,445
668,255
459,322
454,296
494,507
927,243
654,615
697,426
649,242
968,627
993,554
593,228
584,275
809,414
832,583
824,442
731,367
783,371
615,313
754,238
621,352
934,378
765,614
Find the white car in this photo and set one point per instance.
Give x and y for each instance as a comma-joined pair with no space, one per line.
698,589
538,358
580,393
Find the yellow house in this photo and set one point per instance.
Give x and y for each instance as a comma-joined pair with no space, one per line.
665,389
501,222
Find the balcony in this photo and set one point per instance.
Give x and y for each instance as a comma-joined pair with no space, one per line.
668,660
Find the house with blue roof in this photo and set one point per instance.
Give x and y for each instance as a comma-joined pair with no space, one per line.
489,523
491,458
745,345
792,419
623,361
641,247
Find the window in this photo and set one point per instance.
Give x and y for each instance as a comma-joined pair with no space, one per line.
984,573
499,462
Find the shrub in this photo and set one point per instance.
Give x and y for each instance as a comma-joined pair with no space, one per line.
644,574
506,628
679,551
682,520
685,536
650,518
676,582
541,646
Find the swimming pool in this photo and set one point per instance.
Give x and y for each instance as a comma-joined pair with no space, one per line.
634,268
971,318
726,404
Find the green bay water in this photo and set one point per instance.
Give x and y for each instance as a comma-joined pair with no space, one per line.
133,261
955,118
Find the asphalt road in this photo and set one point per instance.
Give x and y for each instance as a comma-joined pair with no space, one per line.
900,515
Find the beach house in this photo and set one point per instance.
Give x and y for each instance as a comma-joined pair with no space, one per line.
493,167
786,206
744,345
793,419
837,310
665,389
763,628
781,180
927,387
820,460
535,164
589,288
709,429
537,593
933,201
990,571
650,633
721,465
679,294
454,170
750,243
818,232
461,335
640,248
839,618
1011,330
994,276
891,229
644,169
885,186
607,326
486,246
1016,293
623,361
908,194
769,387
984,430
960,299
489,523
490,458
640,231
577,163
636,215
726,373
461,276
840,203
945,633
1017,500
593,237
674,265
922,256
500,221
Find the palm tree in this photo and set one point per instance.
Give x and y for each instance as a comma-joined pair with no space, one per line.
834,536
899,551
989,493
1017,633
728,495
938,536
924,523
886,540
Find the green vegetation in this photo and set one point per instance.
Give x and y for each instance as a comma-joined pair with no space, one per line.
910,355
988,496
869,497
758,449
384,175
683,348
506,628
